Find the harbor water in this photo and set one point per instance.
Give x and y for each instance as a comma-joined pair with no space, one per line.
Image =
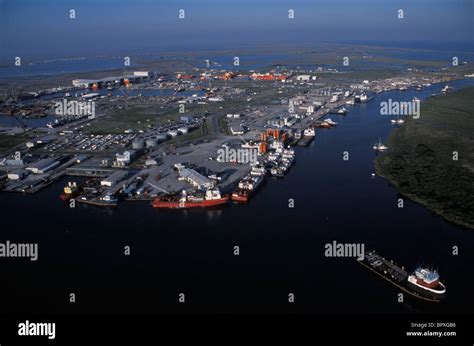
281,249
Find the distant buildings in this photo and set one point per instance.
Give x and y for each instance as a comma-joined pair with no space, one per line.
136,77
42,166
187,118
123,160
194,178
305,78
309,109
281,121
237,130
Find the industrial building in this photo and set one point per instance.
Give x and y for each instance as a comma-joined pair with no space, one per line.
277,121
17,175
42,166
113,179
122,160
237,130
196,179
187,118
303,78
307,109
136,77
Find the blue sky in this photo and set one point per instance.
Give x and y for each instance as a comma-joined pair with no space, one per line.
43,28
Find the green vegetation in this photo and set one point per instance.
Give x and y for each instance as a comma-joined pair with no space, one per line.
8,142
137,117
421,161
358,75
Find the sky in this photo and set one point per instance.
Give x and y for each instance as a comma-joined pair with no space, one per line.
43,27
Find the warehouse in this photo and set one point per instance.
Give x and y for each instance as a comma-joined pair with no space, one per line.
114,178
42,166
194,178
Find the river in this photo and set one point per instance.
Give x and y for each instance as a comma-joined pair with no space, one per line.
81,249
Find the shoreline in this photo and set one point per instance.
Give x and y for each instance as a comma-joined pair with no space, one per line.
404,142
421,201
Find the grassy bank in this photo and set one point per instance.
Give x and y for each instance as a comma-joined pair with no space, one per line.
421,161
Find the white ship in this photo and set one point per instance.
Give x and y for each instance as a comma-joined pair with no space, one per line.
398,121
342,110
380,146
350,102
427,280
447,89
309,132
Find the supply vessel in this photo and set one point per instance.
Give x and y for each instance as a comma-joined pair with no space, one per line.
423,283
211,198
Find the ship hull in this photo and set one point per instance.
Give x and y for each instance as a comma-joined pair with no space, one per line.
66,197
399,277
189,204
437,292
240,198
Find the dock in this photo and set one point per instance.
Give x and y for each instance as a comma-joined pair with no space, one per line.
305,141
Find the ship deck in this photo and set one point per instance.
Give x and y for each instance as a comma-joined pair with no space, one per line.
397,276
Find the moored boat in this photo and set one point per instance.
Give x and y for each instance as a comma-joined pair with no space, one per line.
380,146
71,190
211,198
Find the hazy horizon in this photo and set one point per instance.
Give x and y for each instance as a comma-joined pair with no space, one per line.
43,28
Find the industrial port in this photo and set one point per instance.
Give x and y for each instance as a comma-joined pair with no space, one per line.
189,118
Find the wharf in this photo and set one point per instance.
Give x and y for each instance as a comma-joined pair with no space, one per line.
305,141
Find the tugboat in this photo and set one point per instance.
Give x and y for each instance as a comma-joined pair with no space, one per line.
108,200
422,284
342,111
447,89
361,98
248,185
71,190
379,146
426,282
322,124
398,121
309,132
212,198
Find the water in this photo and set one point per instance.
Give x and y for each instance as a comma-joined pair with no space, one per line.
9,121
281,249
51,67
417,50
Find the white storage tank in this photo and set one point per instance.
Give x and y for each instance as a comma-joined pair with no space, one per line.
173,133
183,130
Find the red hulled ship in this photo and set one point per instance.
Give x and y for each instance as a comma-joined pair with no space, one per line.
248,185
427,281
211,198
